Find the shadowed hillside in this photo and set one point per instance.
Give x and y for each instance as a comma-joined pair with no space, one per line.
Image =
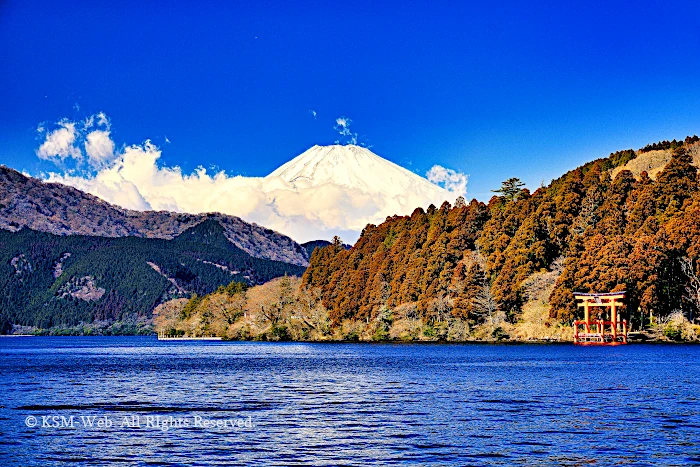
48,280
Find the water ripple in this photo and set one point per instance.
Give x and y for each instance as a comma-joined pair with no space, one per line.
349,404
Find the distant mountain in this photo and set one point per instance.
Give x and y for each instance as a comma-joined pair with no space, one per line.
63,210
50,280
357,168
312,245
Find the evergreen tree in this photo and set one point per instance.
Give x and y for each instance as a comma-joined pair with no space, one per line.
511,189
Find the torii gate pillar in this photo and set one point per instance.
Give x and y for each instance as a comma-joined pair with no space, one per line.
610,332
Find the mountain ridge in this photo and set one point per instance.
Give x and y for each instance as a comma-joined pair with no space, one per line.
64,210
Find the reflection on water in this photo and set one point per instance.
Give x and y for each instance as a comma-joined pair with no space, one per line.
346,404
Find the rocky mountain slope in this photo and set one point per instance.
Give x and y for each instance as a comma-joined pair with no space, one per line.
63,210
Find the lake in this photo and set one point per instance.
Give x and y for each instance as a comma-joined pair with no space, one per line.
138,401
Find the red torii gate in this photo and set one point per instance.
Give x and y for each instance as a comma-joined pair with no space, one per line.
600,331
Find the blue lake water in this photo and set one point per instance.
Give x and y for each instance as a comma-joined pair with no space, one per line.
345,404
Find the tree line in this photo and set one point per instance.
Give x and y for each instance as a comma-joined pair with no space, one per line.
473,260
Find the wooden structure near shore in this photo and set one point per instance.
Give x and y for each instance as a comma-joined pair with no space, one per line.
162,336
600,331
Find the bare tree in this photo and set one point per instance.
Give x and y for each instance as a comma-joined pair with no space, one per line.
408,311
310,310
232,308
384,292
588,215
166,316
539,285
270,313
486,306
692,287
440,307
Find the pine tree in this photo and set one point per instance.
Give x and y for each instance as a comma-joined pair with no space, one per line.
511,189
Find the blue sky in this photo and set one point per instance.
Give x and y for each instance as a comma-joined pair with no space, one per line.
495,90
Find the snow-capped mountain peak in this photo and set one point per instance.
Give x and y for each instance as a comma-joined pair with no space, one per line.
359,169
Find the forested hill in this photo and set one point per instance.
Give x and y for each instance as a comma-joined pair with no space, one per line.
313,244
606,226
64,210
50,280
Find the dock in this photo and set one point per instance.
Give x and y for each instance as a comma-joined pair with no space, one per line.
163,337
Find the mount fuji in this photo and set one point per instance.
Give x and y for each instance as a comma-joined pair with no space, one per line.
357,168
325,191
339,189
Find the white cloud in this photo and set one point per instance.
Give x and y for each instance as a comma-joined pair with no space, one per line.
102,120
98,119
135,181
86,142
134,177
99,148
451,180
342,126
59,144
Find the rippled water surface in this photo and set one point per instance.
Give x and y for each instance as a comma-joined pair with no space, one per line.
345,404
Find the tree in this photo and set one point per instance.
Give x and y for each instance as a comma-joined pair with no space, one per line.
485,305
677,181
337,243
439,308
511,189
235,287
692,288
5,325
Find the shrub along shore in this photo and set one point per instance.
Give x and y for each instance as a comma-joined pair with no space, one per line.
281,310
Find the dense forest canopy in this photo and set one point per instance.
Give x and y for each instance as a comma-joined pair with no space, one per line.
593,231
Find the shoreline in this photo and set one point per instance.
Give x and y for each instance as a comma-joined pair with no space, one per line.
370,342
